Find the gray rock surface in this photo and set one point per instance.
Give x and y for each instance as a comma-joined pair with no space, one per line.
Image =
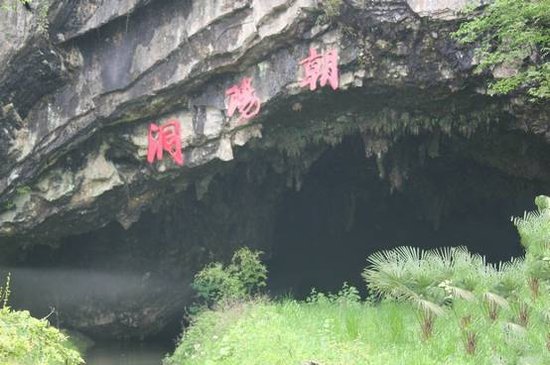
135,62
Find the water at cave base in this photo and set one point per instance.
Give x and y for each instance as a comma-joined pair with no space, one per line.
127,353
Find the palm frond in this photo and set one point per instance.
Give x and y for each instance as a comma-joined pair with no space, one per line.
496,299
545,314
429,307
534,229
514,329
457,292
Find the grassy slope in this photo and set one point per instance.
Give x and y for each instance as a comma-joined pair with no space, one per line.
340,332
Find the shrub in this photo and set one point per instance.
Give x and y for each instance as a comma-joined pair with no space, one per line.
248,269
347,295
242,278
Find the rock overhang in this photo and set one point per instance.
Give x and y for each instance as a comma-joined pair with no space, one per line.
81,147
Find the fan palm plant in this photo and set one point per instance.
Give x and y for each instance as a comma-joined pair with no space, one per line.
433,279
423,278
534,230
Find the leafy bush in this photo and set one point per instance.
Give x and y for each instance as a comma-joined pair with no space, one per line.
348,295
25,340
513,34
242,278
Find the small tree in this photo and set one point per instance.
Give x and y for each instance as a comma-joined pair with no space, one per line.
242,278
247,268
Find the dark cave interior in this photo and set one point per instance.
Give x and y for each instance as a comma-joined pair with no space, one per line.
344,212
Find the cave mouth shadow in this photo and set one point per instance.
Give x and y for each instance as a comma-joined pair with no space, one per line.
344,212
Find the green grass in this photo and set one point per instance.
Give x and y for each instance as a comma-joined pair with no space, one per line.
345,332
25,340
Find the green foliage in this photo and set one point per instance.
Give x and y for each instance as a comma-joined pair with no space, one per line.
5,293
327,329
433,281
242,278
437,281
534,230
423,278
8,5
542,202
490,314
25,340
42,10
8,205
348,295
214,283
23,190
513,34
248,269
331,9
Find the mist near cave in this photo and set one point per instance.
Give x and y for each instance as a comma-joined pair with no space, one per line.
71,287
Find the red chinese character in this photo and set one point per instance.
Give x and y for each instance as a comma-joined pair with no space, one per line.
164,138
243,98
321,68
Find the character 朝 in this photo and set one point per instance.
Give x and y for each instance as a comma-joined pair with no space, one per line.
320,68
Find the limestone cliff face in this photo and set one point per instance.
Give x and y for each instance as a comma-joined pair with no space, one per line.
90,87
77,99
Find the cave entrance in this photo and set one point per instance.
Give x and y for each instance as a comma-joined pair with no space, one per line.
345,212
318,236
